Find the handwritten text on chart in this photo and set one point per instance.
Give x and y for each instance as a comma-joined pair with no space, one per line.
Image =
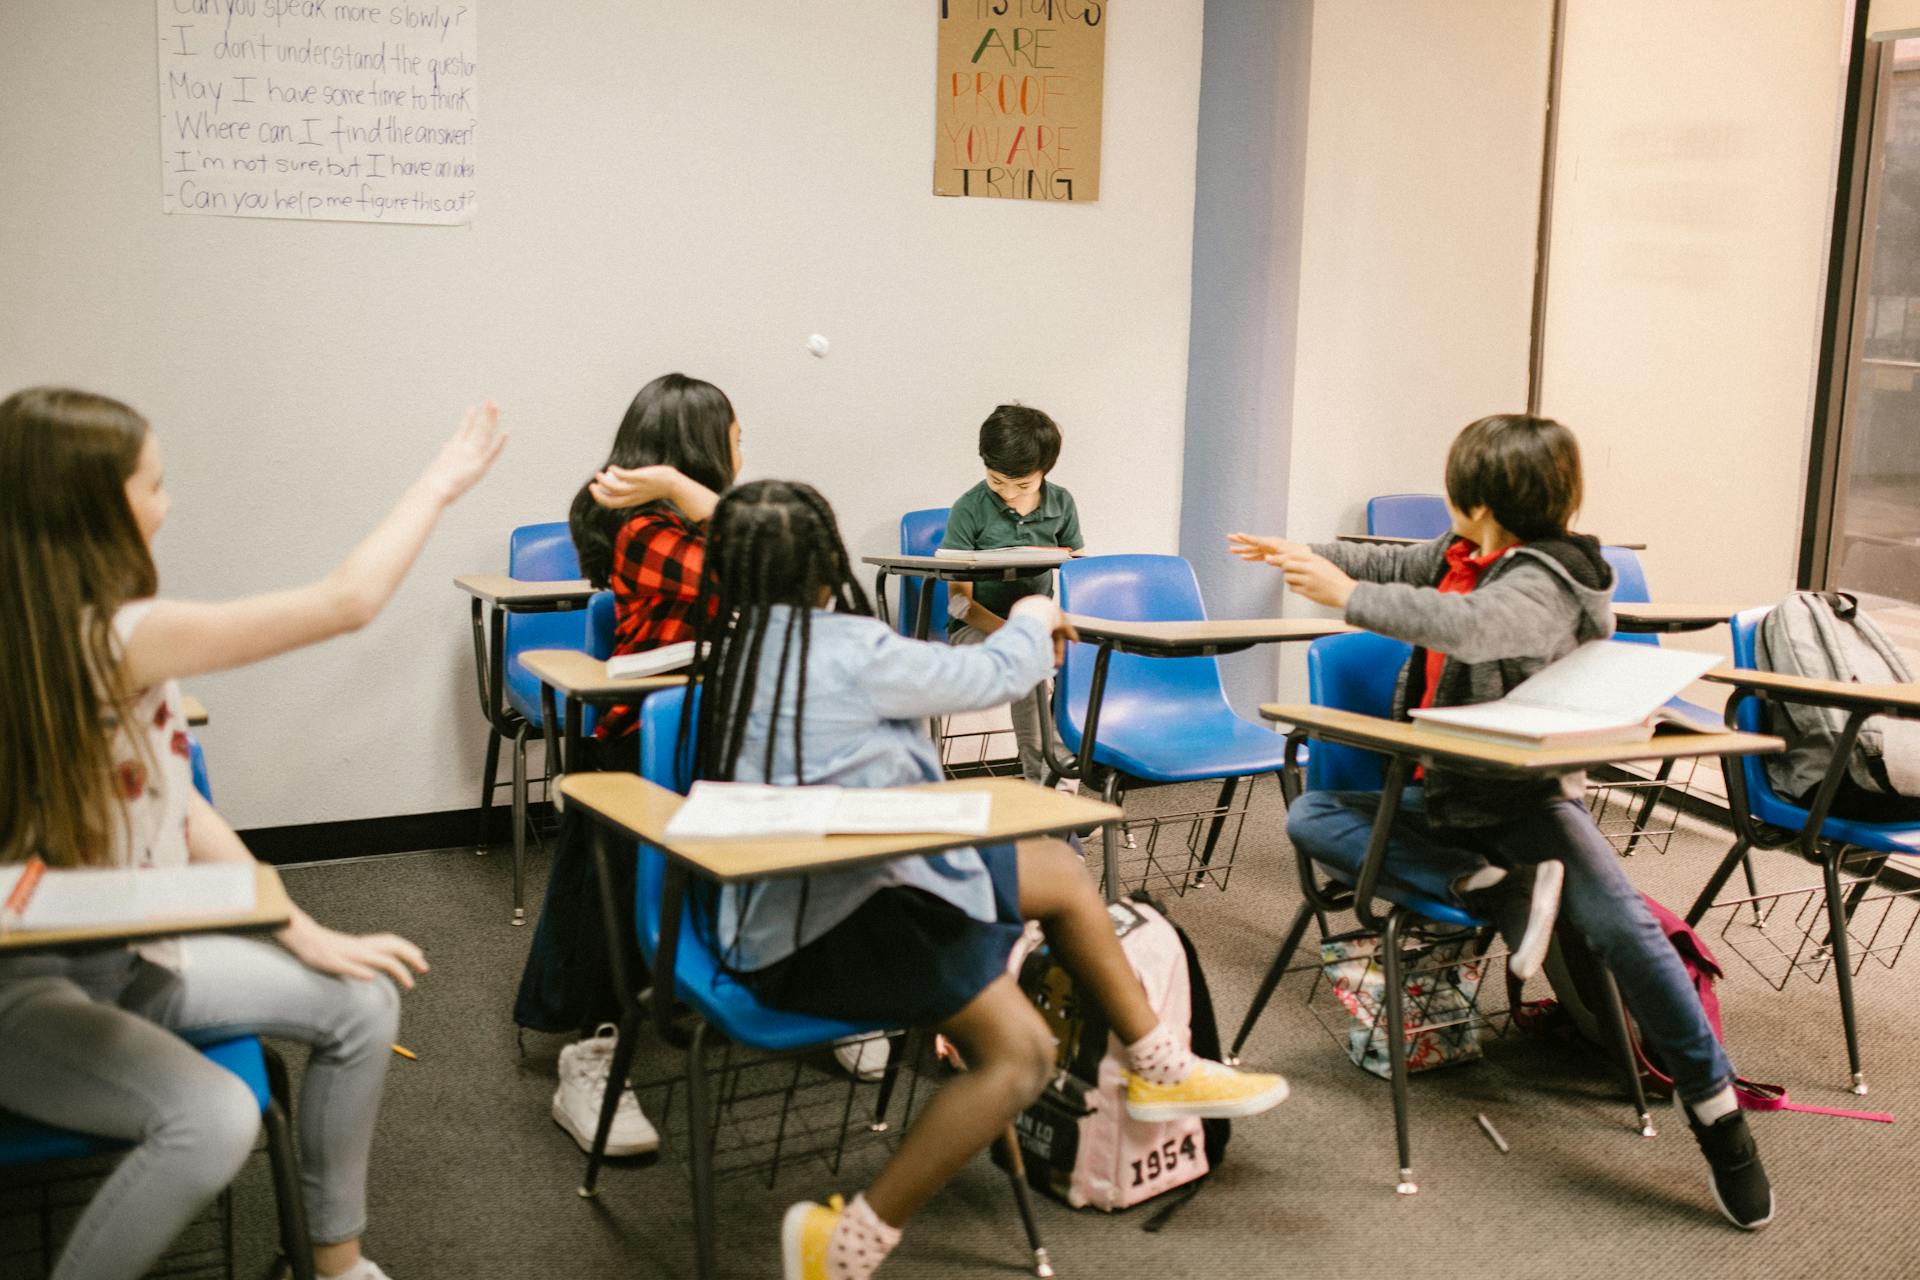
319,109
1019,98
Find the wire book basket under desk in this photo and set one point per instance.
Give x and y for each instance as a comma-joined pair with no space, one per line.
1638,806
1785,932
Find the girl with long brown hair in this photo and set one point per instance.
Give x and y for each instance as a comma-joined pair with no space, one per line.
95,774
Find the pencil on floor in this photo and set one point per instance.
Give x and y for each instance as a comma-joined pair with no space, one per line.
406,1053
1492,1132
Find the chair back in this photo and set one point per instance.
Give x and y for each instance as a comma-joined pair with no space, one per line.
197,767
921,533
1767,804
1629,587
659,744
1134,588
1354,672
543,553
1408,515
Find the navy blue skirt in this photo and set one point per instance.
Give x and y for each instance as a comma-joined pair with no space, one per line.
904,958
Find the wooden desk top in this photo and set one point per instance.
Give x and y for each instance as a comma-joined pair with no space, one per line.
271,910
1389,540
1901,700
510,593
190,708
641,809
1458,751
983,566
574,674
1189,639
1664,617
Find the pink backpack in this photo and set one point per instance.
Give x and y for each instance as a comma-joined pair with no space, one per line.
1078,1142
1575,973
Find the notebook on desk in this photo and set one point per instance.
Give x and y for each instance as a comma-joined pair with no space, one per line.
752,811
112,898
651,662
1603,692
1038,555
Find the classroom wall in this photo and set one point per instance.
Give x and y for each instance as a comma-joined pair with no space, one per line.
671,185
1422,181
1693,196
1250,191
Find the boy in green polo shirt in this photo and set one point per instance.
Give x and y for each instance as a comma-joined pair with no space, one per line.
1015,506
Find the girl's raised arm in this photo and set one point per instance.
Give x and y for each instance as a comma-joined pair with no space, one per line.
181,638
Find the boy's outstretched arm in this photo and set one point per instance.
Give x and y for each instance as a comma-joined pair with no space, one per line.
1525,614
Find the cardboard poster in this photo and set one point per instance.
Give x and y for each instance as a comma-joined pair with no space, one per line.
1017,115
319,109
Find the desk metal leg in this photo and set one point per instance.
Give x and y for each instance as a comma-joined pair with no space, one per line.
1017,1178
550,731
1829,859
1396,1032
1110,788
519,824
575,759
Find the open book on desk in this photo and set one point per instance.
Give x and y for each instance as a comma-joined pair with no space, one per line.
751,811
114,898
1605,691
651,662
1038,555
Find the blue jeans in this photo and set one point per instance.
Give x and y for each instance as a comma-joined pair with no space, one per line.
1332,828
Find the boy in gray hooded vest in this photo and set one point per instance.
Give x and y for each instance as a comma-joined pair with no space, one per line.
1503,594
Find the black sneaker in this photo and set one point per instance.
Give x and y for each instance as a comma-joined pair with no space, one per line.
1738,1179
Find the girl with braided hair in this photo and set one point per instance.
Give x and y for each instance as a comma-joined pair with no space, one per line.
800,684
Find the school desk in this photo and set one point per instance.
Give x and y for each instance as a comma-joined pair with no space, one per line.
624,805
271,910
1406,744
583,681
1390,540
1858,701
1162,640
1667,619
982,566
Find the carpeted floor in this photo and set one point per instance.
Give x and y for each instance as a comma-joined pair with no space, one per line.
472,1178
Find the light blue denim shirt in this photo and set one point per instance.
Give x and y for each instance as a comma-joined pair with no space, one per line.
869,695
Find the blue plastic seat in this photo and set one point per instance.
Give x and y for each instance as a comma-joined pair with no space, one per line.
1408,515
539,553
921,533
1161,719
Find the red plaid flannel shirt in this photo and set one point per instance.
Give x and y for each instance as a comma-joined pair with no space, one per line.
657,558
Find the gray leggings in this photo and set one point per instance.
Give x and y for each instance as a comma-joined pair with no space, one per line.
98,1043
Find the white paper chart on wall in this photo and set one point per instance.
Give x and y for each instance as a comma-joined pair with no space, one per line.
319,109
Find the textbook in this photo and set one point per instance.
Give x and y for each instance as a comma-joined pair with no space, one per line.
753,811
651,662
108,898
1604,691
1037,555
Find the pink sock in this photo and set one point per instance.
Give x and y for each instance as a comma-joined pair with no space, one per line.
860,1242
1159,1057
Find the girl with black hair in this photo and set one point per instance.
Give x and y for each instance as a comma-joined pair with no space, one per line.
679,441
800,684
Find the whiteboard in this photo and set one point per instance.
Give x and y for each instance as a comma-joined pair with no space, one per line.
318,109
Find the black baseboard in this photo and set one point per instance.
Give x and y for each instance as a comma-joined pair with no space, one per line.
402,833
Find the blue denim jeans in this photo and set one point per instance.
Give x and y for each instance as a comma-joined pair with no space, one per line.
1333,827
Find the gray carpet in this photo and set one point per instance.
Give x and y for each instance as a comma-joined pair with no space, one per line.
473,1179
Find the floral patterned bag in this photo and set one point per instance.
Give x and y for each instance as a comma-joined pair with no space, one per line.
1441,1006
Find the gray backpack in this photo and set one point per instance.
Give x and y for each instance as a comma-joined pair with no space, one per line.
1824,635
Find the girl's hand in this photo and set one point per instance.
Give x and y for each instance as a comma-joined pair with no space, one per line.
466,457
351,955
1315,577
618,488
1254,549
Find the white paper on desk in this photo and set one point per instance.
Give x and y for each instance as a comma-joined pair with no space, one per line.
1601,686
752,811
1048,555
651,662
104,899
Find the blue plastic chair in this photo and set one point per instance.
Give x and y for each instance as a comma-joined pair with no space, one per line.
1408,515
1764,819
25,1142
921,533
1161,719
535,553
1359,673
719,1002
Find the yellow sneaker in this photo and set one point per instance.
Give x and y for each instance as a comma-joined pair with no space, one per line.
804,1233
1212,1091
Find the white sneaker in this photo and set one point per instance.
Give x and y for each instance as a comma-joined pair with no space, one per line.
365,1269
584,1067
863,1057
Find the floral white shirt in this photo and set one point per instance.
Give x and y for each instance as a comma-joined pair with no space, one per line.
152,789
